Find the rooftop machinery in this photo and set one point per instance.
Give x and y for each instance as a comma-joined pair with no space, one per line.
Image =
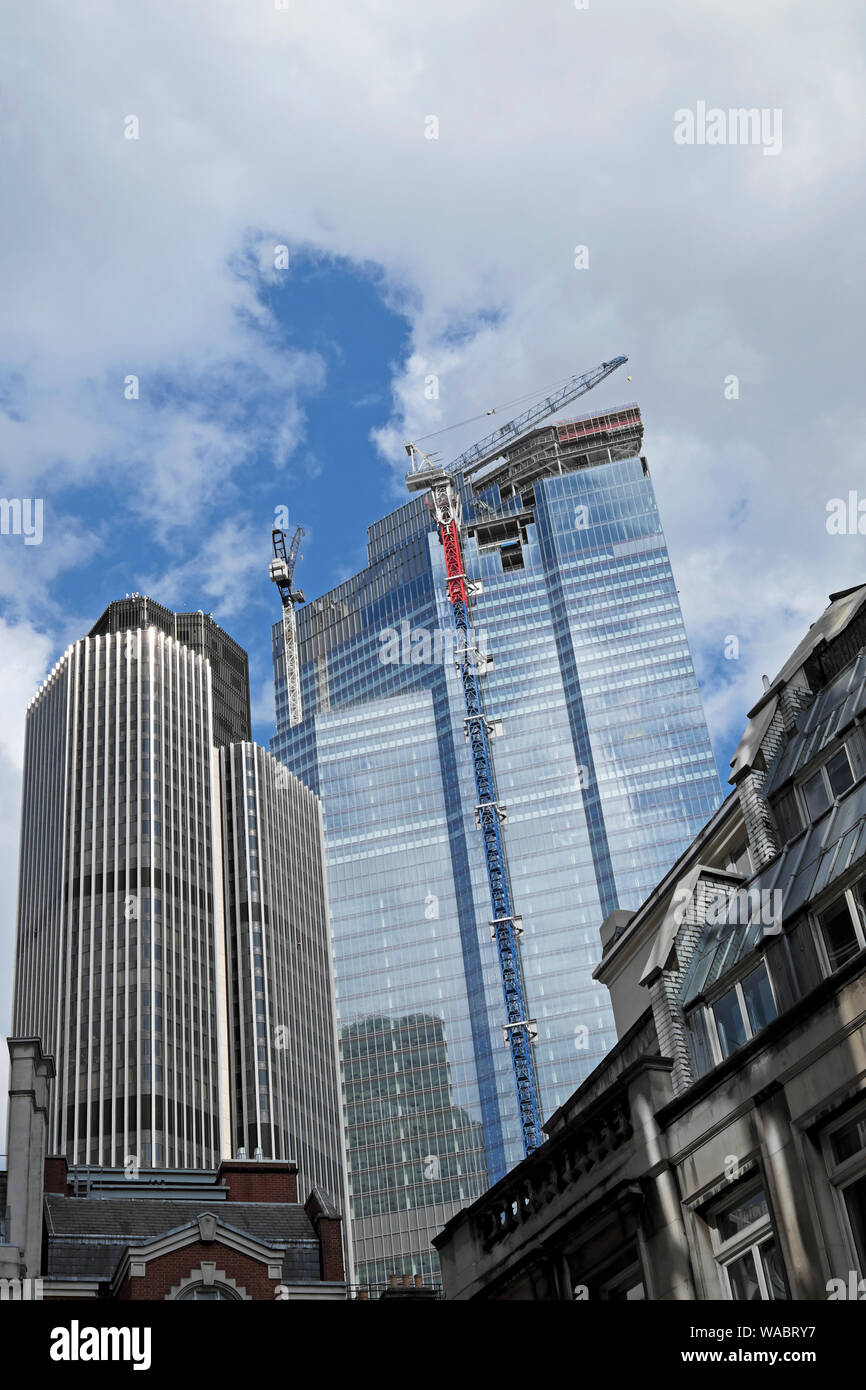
520,1030
282,572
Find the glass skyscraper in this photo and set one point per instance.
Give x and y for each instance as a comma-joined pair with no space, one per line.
604,766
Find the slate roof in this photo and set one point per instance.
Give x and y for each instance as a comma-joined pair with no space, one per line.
830,713
87,1238
842,610
816,856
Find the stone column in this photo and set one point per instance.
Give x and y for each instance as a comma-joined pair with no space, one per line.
664,1243
31,1074
798,1241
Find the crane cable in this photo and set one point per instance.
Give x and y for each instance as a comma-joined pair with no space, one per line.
515,400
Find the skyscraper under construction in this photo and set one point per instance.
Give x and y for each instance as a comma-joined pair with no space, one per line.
604,775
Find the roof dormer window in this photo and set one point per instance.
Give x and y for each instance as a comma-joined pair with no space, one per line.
829,782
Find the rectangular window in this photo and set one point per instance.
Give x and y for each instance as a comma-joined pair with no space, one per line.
828,783
758,997
789,817
839,773
839,933
699,1043
845,1155
740,859
816,794
746,1248
742,1011
734,1220
729,1022
758,1274
849,1140
625,1288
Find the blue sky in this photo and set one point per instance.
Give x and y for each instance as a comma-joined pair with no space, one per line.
333,484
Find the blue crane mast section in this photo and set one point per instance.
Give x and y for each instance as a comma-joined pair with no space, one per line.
519,1029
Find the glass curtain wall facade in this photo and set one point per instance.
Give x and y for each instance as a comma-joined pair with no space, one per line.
602,760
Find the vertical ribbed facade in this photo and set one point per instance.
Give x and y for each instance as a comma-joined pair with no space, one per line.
229,665
118,927
172,947
282,1040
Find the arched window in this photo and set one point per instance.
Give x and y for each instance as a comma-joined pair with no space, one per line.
207,1293
208,1284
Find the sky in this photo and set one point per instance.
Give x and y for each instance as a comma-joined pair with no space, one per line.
428,173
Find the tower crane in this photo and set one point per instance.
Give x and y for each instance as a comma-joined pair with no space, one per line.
282,572
506,927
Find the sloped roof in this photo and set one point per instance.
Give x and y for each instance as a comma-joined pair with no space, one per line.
832,711
835,618
86,1238
808,864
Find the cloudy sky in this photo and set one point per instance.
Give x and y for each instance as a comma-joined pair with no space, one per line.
430,170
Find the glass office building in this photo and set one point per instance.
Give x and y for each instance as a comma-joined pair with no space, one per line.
603,763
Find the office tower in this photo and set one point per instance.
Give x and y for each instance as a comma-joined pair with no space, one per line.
603,765
395,1127
166,891
229,666
281,1025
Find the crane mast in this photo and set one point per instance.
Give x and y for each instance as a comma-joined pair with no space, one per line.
282,573
519,1030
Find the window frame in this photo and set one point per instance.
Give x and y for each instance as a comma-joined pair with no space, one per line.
215,1293
821,770
736,984
855,916
748,1241
624,1283
842,1175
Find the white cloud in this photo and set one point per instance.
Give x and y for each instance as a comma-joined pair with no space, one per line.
224,571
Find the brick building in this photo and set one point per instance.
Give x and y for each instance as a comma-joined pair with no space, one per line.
236,1233
719,1151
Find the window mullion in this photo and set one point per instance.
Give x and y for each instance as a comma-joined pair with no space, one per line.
759,1268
